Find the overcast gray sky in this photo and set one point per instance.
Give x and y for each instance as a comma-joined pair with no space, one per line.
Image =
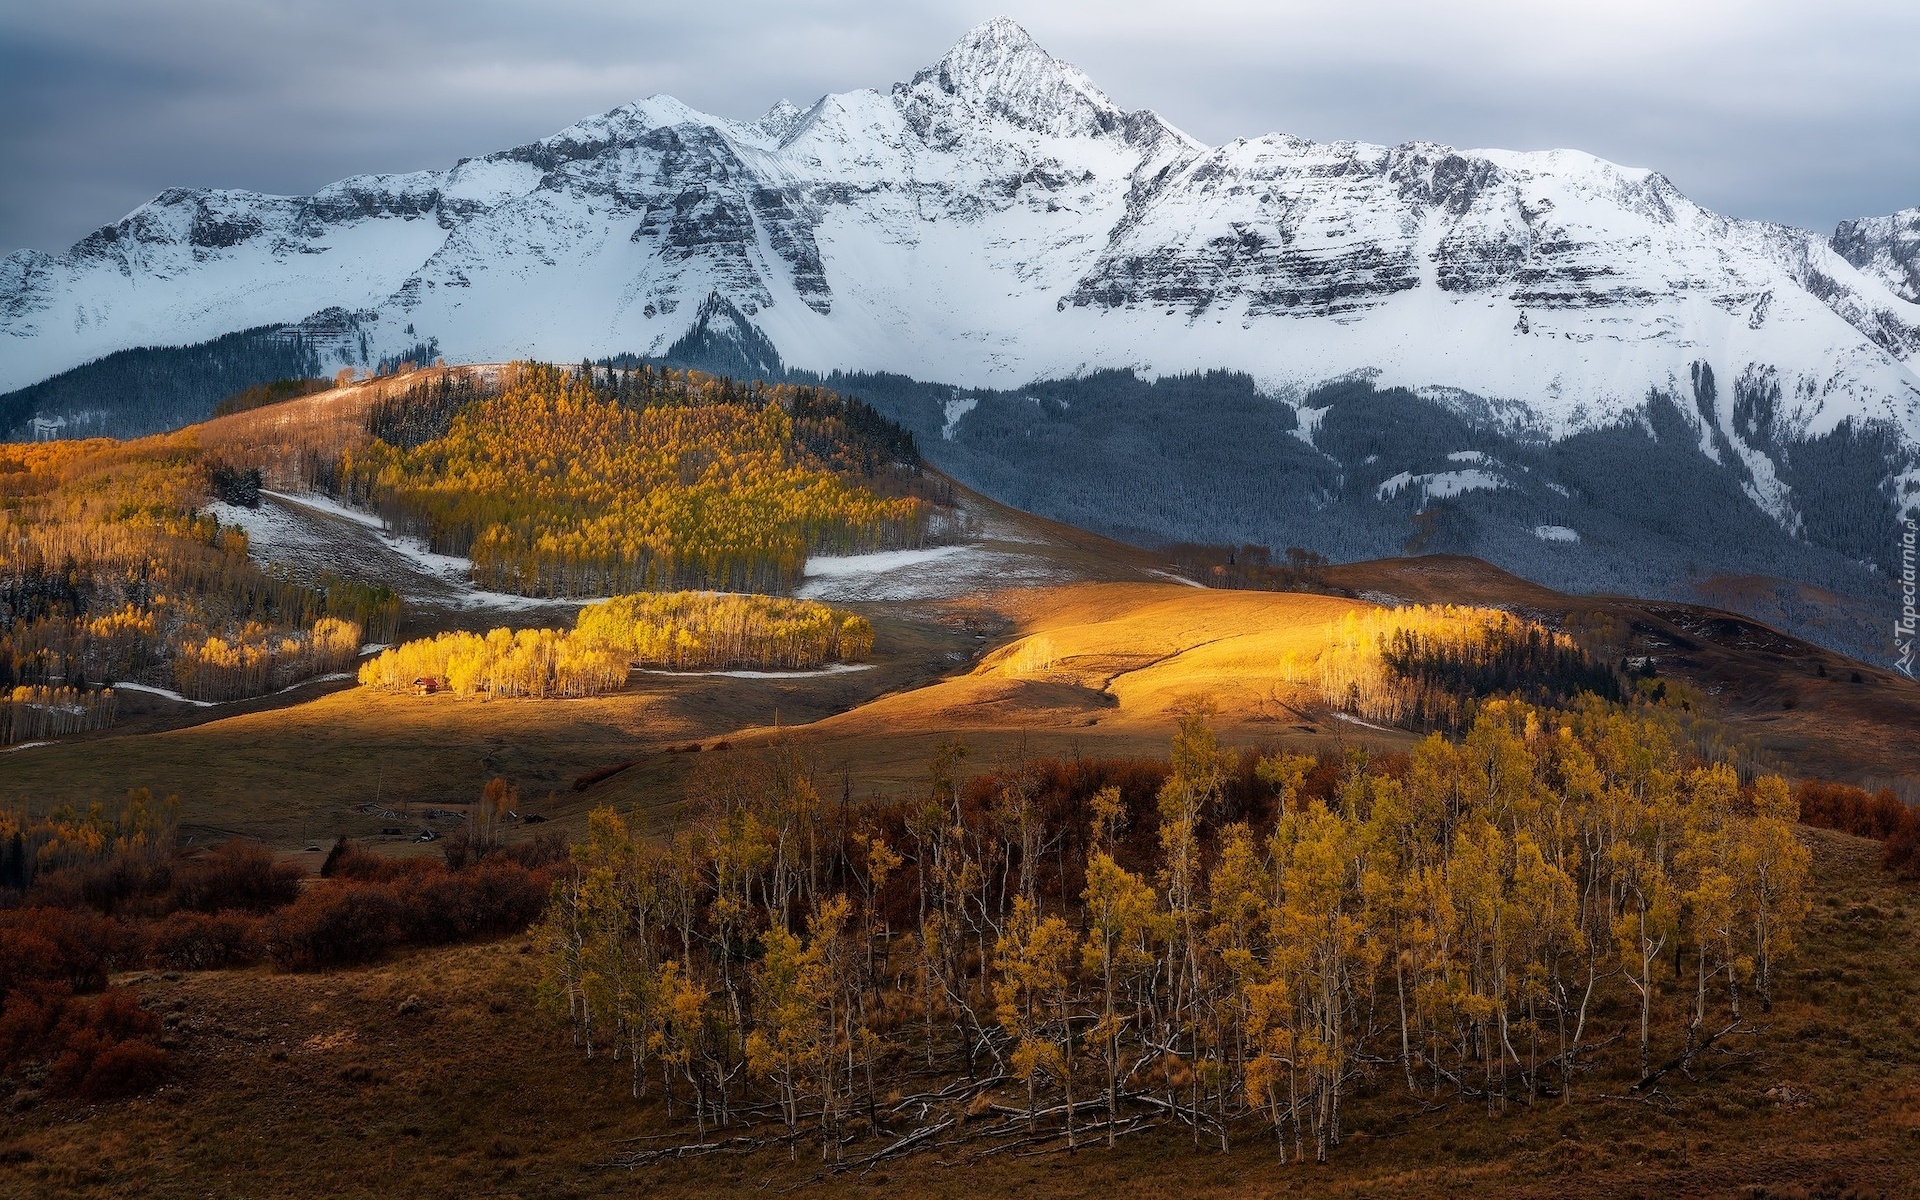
1803,112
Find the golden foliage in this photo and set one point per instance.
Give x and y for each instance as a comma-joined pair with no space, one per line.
703,629
682,630
142,827
37,711
109,571
555,489
1234,942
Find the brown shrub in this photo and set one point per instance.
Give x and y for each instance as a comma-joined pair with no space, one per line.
348,861
54,945
118,1069
104,1048
1881,817
29,1018
95,1048
192,941
1902,852
1851,809
123,883
238,875
339,923
371,905
488,899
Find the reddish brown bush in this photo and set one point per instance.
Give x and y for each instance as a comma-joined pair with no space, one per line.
53,945
104,1048
1850,809
491,898
117,1069
339,923
239,875
191,941
348,861
348,920
124,883
29,1018
1881,817
1902,853
95,1047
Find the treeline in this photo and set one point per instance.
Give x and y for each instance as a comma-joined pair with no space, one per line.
1881,816
682,630
567,483
1231,942
686,630
1248,567
256,660
130,393
109,572
37,711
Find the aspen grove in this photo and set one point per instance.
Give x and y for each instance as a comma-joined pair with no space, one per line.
1060,952
111,572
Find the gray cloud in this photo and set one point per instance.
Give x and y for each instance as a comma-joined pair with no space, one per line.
1758,108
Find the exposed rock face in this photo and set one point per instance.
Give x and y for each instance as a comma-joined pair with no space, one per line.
1885,248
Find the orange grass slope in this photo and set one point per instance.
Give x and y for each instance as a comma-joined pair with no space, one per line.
1126,658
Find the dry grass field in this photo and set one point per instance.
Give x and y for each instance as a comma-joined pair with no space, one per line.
435,1075
298,774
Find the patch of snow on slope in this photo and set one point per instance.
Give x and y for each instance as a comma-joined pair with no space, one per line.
451,570
1906,493
956,408
936,573
1169,575
163,693
1556,533
1442,485
1453,483
267,527
1308,421
831,566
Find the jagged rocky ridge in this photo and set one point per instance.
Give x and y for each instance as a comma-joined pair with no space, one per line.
997,219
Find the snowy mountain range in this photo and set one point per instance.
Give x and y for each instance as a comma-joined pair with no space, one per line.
997,219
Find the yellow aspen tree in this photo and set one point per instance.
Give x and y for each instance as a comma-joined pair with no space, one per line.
1033,992
1774,870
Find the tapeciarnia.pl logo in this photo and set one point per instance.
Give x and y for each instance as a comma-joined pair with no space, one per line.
1903,627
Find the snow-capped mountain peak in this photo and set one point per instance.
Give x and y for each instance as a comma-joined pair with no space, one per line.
998,218
998,71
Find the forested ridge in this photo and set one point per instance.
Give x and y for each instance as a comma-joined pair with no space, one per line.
110,572
1229,942
563,482
133,392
